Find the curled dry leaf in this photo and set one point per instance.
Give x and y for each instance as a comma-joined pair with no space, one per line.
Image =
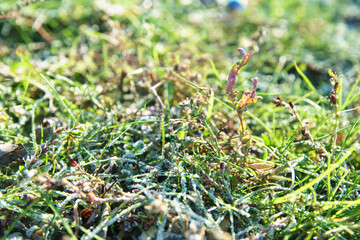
249,97
231,79
242,52
260,166
235,69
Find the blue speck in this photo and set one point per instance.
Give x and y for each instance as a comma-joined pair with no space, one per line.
236,5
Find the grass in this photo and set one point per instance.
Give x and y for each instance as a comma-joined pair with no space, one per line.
146,140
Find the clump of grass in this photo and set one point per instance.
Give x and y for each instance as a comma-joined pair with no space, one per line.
154,145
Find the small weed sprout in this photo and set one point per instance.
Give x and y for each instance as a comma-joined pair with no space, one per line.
305,131
248,96
336,83
44,147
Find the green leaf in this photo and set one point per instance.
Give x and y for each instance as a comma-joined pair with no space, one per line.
267,140
206,133
265,154
181,135
59,98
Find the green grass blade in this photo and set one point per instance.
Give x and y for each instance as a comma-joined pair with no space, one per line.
259,121
216,72
292,196
64,221
306,79
349,133
199,89
59,98
163,138
349,98
210,107
22,214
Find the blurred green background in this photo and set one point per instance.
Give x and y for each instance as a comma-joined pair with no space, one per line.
318,34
